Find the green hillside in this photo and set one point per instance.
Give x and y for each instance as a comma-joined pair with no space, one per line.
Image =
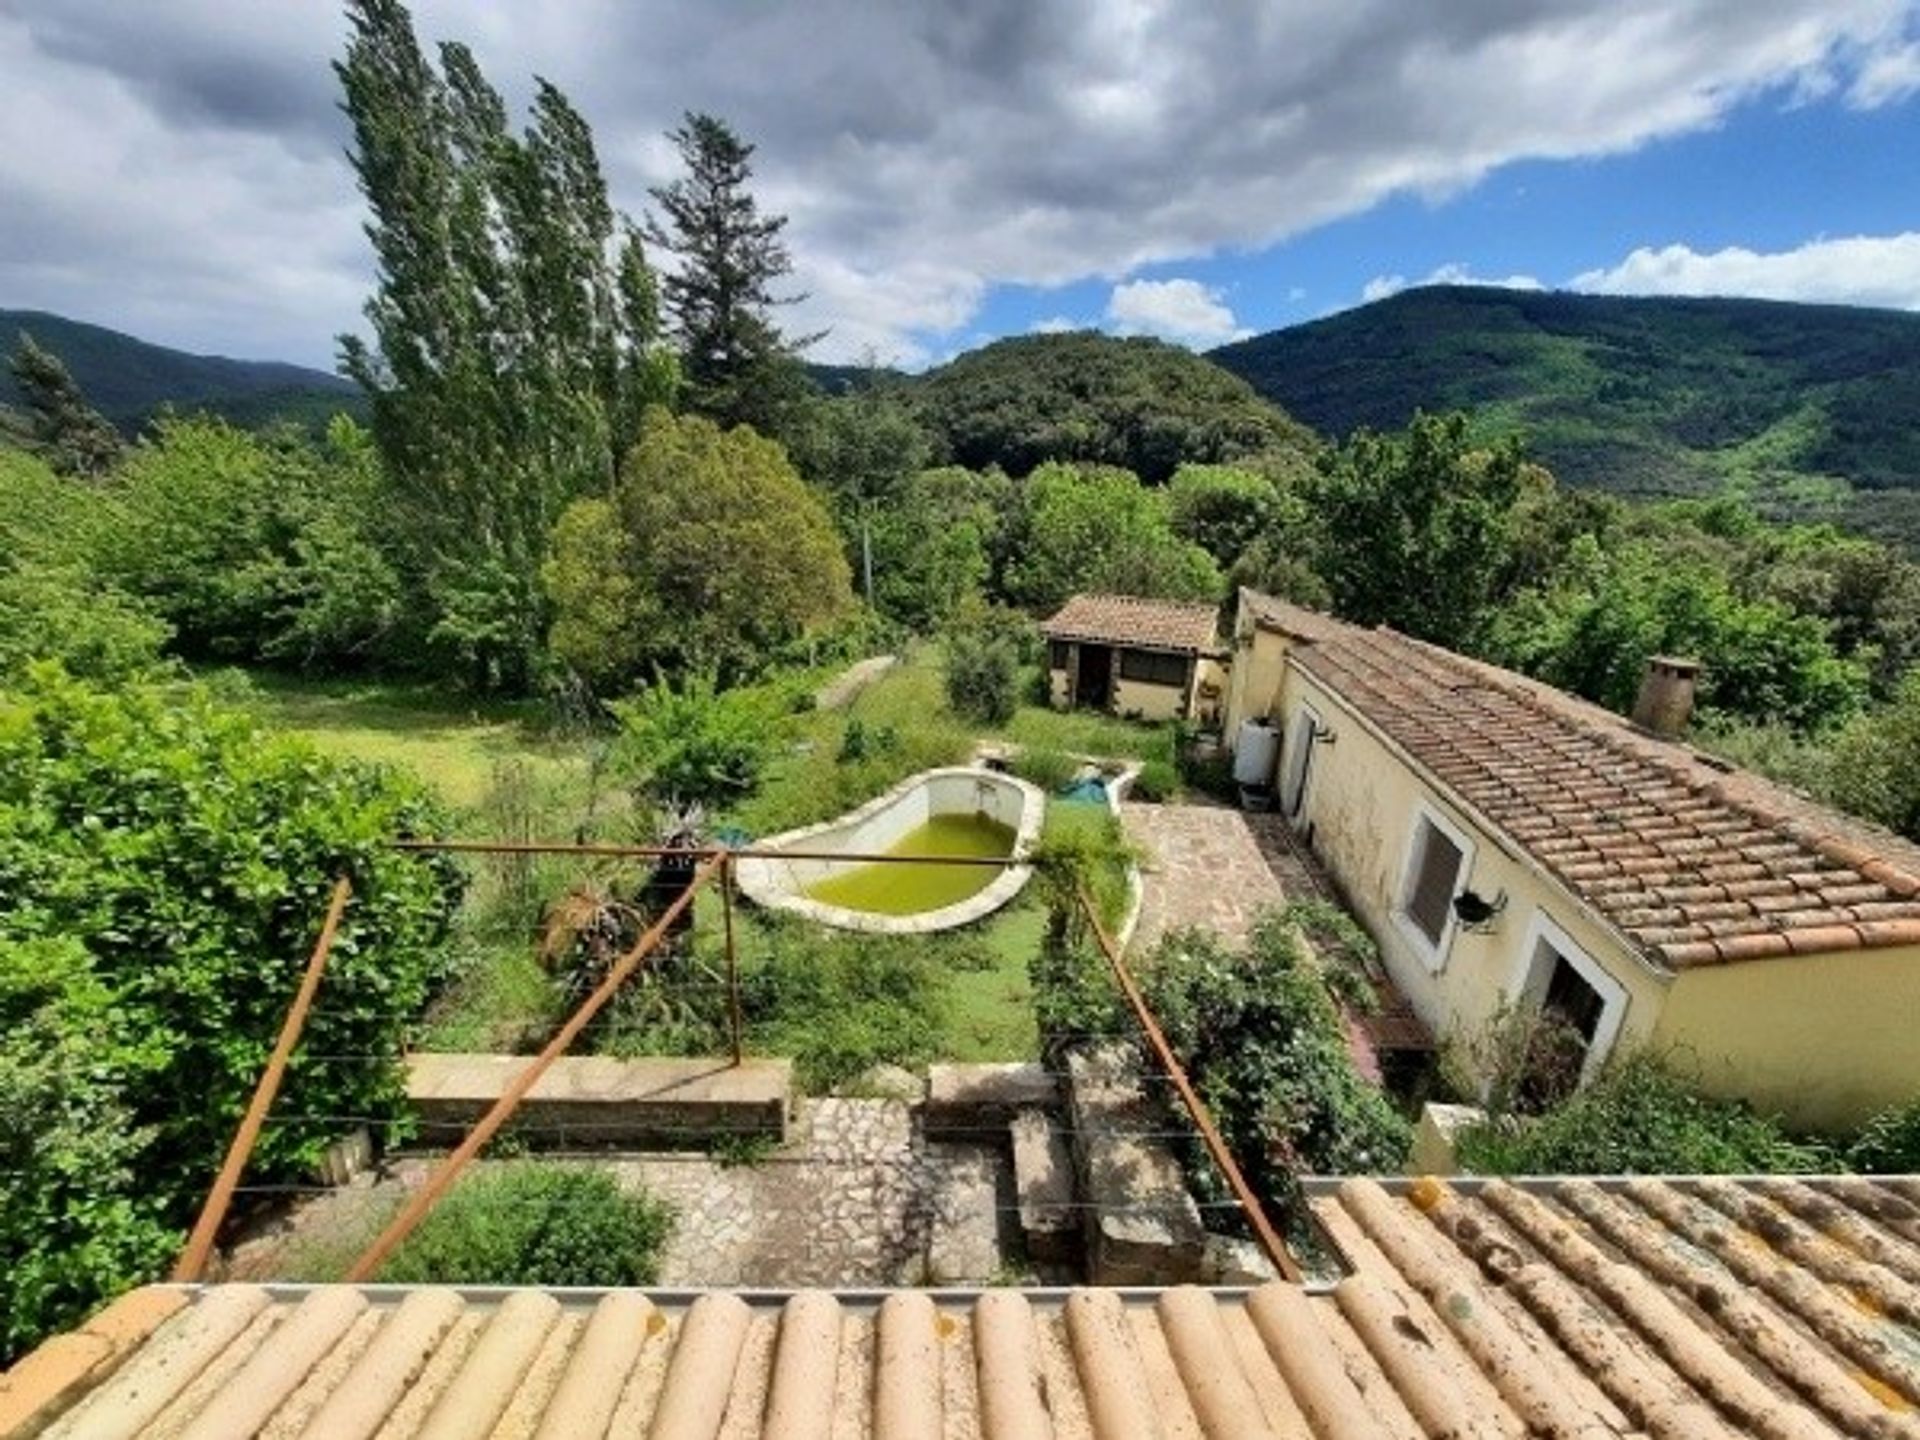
1142,404
127,380
1647,396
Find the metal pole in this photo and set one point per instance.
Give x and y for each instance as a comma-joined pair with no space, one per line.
1263,1230
213,1213
655,852
733,956
502,1110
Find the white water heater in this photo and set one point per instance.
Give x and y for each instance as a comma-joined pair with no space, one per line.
1255,752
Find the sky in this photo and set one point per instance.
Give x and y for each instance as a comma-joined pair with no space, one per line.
956,172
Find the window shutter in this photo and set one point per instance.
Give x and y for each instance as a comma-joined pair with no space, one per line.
1432,900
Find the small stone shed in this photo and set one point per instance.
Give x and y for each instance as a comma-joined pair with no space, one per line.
1143,659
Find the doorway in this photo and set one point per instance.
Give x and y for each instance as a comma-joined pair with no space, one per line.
1093,686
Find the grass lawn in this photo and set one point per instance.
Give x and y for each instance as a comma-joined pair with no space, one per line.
455,743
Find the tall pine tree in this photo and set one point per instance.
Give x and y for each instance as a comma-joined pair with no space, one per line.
72,436
515,332
739,366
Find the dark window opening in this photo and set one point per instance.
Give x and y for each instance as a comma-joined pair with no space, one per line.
1057,655
1557,1049
1435,877
1153,667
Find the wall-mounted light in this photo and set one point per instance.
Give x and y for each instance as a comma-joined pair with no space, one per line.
1323,736
1477,913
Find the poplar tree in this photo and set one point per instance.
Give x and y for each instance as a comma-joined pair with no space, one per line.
739,366
515,331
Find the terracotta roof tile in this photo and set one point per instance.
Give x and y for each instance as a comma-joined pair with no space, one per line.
1777,1308
1637,827
1128,620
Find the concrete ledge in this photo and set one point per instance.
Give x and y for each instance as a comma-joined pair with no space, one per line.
1142,1226
599,1100
986,1097
1043,1187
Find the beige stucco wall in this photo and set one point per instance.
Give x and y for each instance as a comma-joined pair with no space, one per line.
1139,700
1059,689
1208,671
1824,1039
1253,684
1361,807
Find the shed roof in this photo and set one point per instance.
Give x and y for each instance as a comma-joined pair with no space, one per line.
1135,623
1780,1308
1695,863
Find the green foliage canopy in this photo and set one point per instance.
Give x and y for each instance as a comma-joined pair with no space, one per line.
163,869
1090,527
709,555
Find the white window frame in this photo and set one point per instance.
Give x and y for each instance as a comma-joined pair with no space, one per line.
1303,730
1530,979
1433,955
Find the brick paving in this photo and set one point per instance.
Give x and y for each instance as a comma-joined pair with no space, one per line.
1200,865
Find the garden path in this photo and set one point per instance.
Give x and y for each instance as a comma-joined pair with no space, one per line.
1200,865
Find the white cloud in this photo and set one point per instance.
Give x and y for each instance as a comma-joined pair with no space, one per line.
1887,76
1054,325
1861,270
1452,273
1181,310
178,168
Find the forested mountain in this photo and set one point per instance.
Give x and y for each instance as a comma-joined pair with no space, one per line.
1647,396
127,380
1138,403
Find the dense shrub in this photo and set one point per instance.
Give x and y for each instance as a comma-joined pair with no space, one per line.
1889,1143
1158,780
986,652
693,743
1264,1043
1640,1117
1049,769
60,614
535,1223
164,866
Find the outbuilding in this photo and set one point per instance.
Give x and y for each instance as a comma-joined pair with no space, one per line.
1139,658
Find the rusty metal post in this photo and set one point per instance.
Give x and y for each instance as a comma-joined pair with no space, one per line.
213,1213
424,1199
733,956
655,852
1269,1238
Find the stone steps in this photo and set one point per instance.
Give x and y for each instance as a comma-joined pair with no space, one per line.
1141,1224
594,1100
1043,1187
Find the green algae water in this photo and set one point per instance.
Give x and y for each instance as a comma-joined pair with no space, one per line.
911,889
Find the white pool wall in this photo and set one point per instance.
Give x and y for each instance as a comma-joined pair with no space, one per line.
882,823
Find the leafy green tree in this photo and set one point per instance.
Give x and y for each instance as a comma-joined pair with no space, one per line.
1087,527
1221,508
720,554
1875,765
97,633
740,367
862,449
75,438
986,656
934,545
1141,404
1417,528
694,743
163,868
515,332
1592,630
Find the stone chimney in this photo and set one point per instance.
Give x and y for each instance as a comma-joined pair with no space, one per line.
1665,705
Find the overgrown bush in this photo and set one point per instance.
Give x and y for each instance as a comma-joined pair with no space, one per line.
693,743
164,866
1640,1117
1889,1143
50,613
1051,770
1158,780
530,1222
1262,1039
985,656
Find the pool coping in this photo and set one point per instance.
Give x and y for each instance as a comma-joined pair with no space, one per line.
755,876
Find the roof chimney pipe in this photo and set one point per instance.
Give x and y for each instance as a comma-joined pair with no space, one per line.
1665,705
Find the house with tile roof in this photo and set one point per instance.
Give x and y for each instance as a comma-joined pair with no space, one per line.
1680,1307
1139,658
1510,845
